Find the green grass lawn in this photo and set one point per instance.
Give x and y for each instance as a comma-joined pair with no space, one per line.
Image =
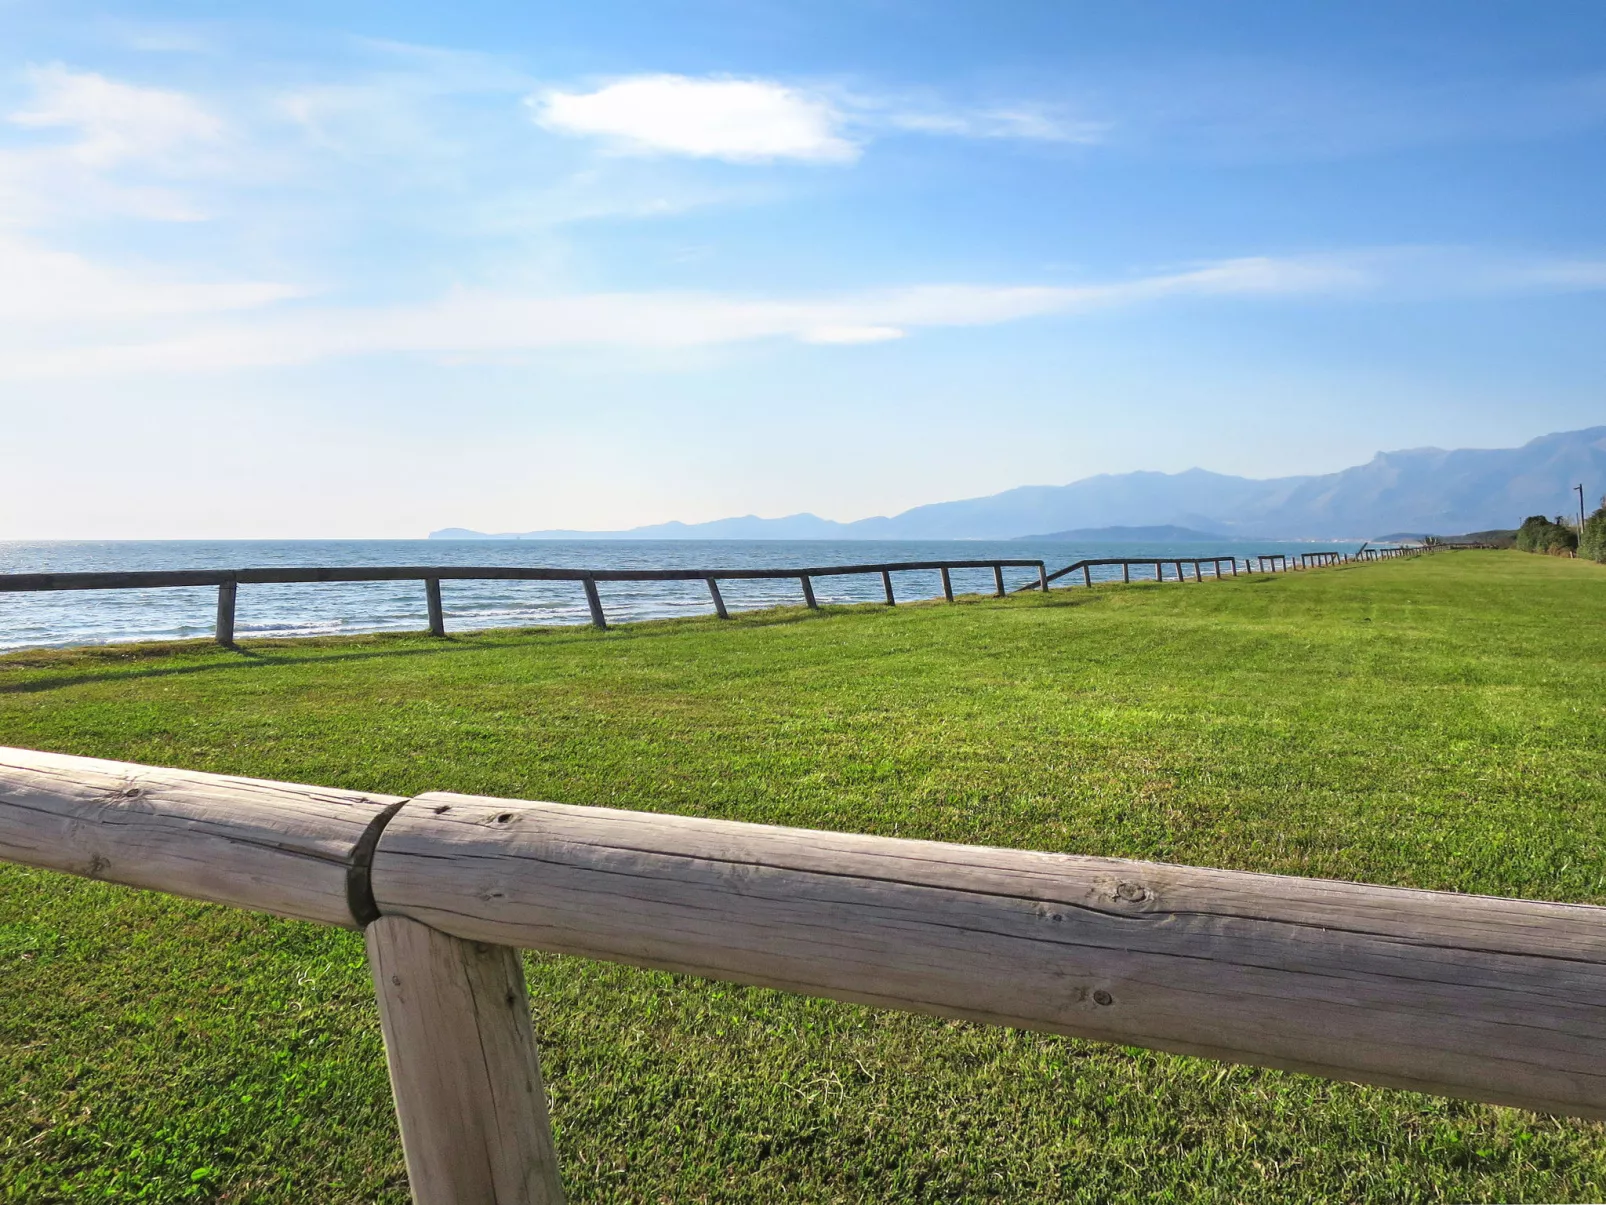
1435,723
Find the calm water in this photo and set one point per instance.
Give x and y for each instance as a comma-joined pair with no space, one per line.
104,616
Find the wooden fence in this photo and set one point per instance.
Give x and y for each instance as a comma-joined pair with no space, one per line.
228,581
1489,999
1087,566
1271,562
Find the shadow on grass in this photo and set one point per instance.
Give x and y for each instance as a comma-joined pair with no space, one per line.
261,653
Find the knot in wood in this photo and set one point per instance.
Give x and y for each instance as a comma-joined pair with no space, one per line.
1132,893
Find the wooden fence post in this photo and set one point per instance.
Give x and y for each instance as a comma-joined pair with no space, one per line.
463,1068
594,601
437,616
886,580
226,592
1042,578
808,593
719,599
1126,571
947,584
1198,576
1087,577
998,581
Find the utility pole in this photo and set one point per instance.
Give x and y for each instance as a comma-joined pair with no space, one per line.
1580,490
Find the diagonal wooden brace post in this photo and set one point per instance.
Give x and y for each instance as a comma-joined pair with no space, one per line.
594,602
719,599
463,1067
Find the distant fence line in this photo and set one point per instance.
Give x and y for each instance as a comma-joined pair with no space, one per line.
228,581
1269,562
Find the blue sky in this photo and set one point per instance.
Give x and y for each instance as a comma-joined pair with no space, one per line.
371,269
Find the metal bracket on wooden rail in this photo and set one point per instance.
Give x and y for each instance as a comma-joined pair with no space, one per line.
359,871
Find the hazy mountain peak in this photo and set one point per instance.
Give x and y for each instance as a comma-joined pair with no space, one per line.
1412,489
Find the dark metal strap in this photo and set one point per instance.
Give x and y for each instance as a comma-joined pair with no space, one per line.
359,881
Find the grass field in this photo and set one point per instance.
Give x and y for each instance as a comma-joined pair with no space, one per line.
1435,723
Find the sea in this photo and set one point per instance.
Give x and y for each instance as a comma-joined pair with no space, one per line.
89,617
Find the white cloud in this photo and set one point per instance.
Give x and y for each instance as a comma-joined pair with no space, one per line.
118,150
740,120
70,309
115,122
477,323
41,287
1020,122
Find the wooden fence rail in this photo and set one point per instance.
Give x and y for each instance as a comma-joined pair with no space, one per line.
228,581
1490,999
1086,567
1271,562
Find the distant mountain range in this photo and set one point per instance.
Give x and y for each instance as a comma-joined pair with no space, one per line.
1425,490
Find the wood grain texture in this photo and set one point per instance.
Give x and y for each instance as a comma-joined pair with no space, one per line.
464,1069
268,846
1491,999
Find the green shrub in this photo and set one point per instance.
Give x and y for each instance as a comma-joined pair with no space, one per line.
1539,534
1592,540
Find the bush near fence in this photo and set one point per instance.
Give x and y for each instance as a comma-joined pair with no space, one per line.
1592,540
1539,534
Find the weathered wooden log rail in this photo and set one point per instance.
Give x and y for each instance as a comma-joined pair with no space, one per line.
1496,1000
228,581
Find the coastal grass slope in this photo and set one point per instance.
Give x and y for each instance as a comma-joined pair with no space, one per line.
1438,723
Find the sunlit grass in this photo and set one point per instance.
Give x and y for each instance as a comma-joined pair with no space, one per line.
1434,723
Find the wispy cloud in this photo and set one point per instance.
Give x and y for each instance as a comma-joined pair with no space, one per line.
108,122
1017,120
41,288
71,327
739,120
105,146
478,322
